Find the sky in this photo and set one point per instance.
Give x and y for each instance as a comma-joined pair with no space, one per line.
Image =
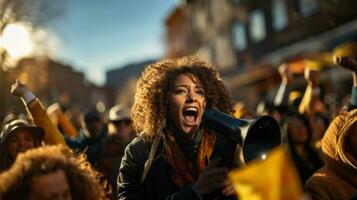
95,35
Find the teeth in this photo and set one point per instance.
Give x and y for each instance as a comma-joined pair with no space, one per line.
191,109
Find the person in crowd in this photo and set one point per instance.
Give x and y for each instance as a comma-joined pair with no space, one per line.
319,126
337,179
50,173
281,103
91,137
296,134
61,120
282,95
52,135
170,158
295,98
311,103
266,107
120,134
38,113
74,114
119,122
350,63
19,135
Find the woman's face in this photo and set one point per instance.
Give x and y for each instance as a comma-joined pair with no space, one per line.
187,103
20,141
298,131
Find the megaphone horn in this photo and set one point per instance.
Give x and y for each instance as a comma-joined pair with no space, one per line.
256,136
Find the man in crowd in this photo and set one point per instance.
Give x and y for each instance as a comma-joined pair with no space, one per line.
120,134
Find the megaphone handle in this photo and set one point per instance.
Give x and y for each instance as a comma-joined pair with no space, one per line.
227,156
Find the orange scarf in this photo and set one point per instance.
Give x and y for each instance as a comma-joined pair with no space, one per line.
185,172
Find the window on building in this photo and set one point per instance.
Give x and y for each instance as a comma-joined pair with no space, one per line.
257,25
279,14
308,7
239,36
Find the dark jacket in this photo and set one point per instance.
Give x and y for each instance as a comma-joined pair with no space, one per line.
158,183
110,159
92,147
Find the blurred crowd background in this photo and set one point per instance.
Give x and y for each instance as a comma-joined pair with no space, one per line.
246,40
276,57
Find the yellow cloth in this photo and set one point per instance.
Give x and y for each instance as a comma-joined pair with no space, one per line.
314,65
60,118
318,60
311,102
272,179
67,126
40,118
346,49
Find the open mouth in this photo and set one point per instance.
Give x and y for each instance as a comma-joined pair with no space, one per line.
190,115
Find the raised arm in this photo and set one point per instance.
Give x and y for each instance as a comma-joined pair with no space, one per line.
283,91
310,102
56,114
38,113
350,64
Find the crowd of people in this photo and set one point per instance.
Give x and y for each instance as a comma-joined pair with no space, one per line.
159,148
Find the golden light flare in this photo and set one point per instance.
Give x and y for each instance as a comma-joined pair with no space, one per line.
16,40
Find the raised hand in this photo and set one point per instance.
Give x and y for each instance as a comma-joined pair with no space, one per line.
211,178
346,62
285,73
18,89
312,76
228,188
54,109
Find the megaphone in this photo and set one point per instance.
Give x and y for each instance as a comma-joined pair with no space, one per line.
256,136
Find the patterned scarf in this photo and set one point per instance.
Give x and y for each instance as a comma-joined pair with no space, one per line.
185,172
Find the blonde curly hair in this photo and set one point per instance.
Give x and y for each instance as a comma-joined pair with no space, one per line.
150,108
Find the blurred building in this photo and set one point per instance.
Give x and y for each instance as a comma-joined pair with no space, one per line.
180,37
122,82
51,81
248,39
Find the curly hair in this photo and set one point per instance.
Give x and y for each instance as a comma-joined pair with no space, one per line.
16,182
153,89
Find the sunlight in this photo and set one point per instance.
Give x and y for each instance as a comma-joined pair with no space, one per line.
16,40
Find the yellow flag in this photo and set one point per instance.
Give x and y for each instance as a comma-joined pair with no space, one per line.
346,49
275,178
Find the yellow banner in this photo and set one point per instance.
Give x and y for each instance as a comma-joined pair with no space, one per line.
275,178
